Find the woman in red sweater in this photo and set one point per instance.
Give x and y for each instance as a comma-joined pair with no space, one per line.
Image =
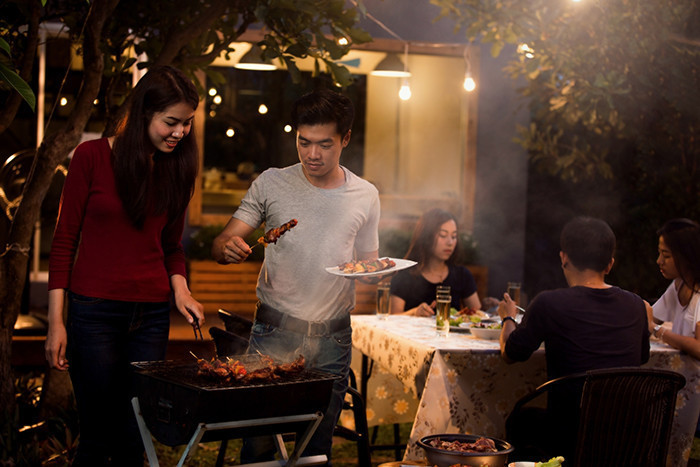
117,260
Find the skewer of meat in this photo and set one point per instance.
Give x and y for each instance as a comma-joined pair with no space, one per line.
272,235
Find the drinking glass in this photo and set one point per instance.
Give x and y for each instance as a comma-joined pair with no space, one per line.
514,292
442,314
383,292
442,290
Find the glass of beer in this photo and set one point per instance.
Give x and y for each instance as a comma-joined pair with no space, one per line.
514,292
383,293
442,314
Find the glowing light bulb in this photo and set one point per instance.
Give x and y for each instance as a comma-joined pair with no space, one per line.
343,41
230,132
212,91
63,102
288,128
96,101
469,83
217,99
405,91
262,110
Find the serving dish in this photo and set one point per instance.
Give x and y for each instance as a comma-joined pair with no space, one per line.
485,333
445,458
400,264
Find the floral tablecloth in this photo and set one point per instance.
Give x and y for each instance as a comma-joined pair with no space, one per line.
464,386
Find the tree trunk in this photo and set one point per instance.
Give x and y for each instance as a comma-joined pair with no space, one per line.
54,149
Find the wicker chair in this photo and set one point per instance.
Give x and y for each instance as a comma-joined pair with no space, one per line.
610,417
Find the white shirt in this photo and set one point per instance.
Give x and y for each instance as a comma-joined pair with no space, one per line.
684,318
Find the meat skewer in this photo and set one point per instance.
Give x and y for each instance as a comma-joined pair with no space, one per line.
272,235
234,370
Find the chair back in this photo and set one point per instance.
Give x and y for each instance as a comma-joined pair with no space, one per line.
236,324
626,416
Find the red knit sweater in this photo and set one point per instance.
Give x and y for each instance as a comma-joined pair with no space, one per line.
96,251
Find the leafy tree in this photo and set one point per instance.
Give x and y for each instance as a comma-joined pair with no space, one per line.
188,35
612,87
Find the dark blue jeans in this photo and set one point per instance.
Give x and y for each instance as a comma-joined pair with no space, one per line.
330,353
104,336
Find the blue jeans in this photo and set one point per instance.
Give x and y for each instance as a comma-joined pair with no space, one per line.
331,353
104,336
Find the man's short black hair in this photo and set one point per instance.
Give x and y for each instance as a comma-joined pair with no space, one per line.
321,107
588,242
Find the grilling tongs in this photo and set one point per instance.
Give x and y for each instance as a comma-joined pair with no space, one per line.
195,326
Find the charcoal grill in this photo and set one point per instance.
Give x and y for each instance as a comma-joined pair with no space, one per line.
177,406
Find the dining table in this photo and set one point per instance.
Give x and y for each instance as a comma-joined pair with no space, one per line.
460,384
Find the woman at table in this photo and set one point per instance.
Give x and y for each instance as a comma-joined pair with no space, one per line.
679,261
434,246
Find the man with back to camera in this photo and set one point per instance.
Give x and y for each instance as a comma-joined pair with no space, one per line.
589,325
303,309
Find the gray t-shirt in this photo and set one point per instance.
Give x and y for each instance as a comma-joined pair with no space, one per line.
331,224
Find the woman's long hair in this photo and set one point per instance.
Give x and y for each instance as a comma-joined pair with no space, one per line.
424,235
168,188
682,237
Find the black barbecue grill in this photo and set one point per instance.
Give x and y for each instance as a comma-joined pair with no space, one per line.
177,405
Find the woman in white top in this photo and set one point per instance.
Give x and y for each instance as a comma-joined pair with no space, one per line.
679,261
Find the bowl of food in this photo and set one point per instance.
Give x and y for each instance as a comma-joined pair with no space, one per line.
489,331
445,450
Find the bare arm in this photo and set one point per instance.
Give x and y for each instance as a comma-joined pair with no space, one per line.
398,305
56,338
687,344
472,302
506,309
185,303
229,246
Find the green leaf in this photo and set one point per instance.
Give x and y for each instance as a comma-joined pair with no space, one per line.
5,46
13,79
496,48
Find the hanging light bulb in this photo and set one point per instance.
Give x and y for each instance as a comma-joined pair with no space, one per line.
469,83
405,91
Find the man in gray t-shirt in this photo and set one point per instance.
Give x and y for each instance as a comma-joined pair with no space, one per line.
303,309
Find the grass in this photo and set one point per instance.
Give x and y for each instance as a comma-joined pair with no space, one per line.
344,452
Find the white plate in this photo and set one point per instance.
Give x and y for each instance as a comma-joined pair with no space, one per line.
400,264
485,333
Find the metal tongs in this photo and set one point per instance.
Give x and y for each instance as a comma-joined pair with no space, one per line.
195,326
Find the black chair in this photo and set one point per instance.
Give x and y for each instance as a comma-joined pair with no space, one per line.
610,417
234,340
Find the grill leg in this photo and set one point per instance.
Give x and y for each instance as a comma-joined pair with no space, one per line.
145,434
222,453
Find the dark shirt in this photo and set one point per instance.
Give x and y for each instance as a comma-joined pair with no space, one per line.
416,289
583,329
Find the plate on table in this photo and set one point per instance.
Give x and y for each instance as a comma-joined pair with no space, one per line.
400,264
461,327
485,333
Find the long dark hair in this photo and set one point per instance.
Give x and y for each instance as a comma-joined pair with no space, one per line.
423,239
682,237
169,187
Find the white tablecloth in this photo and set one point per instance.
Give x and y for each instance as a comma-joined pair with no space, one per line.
465,387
